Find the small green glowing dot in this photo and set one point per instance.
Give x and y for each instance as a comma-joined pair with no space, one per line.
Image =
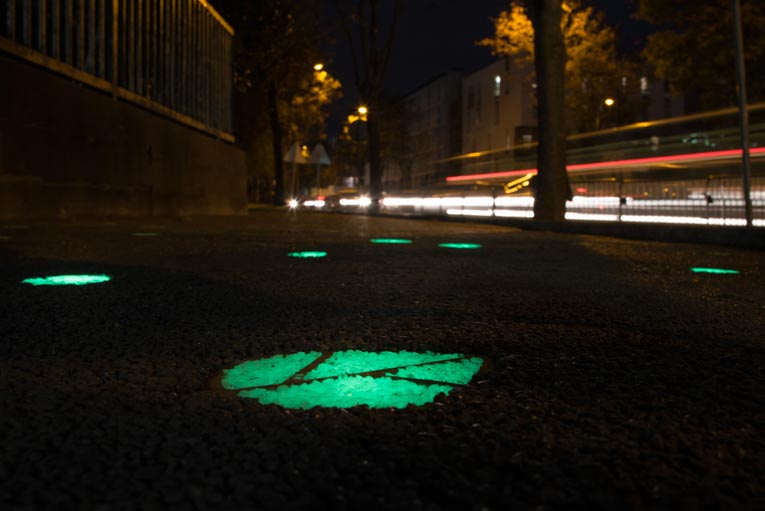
464,246
350,378
145,234
307,255
717,271
391,241
67,280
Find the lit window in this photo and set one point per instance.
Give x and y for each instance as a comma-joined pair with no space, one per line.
643,85
497,85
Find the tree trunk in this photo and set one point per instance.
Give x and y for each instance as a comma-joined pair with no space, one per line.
276,139
553,187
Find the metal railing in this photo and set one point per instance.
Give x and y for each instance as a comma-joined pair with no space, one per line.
171,56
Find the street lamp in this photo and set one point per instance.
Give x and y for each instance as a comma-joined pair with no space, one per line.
609,101
318,67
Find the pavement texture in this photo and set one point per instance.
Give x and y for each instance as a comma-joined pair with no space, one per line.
615,378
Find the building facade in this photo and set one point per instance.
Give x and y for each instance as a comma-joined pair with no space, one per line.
433,133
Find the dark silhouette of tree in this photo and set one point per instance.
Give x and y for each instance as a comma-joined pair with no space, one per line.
694,48
371,46
282,96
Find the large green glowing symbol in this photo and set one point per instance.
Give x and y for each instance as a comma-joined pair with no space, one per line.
717,271
67,280
350,378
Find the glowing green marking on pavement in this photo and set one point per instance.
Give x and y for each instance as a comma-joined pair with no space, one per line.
67,280
355,362
267,371
351,378
307,255
391,241
459,245
717,271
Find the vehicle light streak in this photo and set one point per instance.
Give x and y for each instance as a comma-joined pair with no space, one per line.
635,162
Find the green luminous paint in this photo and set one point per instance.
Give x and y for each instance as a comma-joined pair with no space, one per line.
356,362
307,255
718,271
459,245
350,378
391,241
145,234
459,371
267,371
67,280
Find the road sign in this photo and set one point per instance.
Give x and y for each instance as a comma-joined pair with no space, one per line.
319,156
295,154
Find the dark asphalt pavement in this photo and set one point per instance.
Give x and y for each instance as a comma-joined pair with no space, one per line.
618,379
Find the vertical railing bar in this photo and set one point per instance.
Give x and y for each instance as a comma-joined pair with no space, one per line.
42,20
27,23
194,57
10,11
216,76
229,84
167,20
55,29
91,37
131,46
210,68
124,45
146,48
161,52
206,65
197,60
115,43
139,48
191,96
183,80
154,49
81,35
102,39
171,52
68,32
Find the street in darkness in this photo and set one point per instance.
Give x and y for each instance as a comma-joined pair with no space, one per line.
612,375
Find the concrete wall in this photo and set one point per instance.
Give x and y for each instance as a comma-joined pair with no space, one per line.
68,151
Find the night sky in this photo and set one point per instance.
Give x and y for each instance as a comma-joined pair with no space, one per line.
435,36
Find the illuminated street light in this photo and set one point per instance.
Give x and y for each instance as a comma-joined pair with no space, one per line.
363,110
293,203
609,101
318,67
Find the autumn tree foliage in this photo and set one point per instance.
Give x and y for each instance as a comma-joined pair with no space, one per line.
592,71
282,98
694,48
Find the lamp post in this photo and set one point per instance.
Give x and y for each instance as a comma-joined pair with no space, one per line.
743,112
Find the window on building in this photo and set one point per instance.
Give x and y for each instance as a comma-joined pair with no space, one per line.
643,85
497,86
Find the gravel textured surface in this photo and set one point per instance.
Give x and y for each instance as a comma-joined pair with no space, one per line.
618,378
